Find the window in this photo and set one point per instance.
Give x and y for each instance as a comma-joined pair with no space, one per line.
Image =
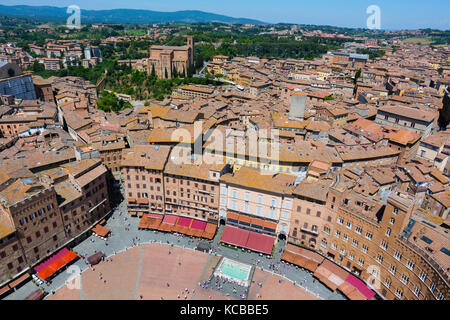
395,211
416,291
423,276
360,262
365,248
334,246
358,229
345,237
410,265
397,255
404,279
246,207
223,190
440,296
379,258
351,256
260,199
388,232
369,235
299,209
285,215
342,250
234,194
387,283
308,211
272,213
432,287
258,210
273,202
399,293
287,204
392,220
318,214
337,233
223,200
233,204
247,196
392,269
383,245
349,225
355,243
340,220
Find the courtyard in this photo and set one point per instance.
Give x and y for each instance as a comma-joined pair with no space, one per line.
148,265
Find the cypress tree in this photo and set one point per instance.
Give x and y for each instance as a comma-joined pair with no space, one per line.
153,70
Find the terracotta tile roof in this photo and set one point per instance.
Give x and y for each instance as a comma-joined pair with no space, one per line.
407,112
147,156
20,189
252,178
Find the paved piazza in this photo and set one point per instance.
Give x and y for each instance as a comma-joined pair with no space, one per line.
139,266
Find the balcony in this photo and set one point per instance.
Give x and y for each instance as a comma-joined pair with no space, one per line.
315,233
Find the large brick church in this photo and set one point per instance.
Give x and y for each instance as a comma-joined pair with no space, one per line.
165,59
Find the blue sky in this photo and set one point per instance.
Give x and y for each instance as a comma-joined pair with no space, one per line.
395,14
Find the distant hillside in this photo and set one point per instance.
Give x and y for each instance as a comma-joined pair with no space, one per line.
122,15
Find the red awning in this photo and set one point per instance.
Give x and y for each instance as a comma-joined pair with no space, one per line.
270,225
235,236
248,239
44,274
360,286
154,216
257,222
198,225
170,219
58,264
69,256
101,230
184,222
244,219
210,231
260,243
231,215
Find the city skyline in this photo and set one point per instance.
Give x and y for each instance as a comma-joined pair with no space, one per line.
351,14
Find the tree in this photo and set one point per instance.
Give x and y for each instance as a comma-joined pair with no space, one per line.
444,113
153,71
174,72
165,73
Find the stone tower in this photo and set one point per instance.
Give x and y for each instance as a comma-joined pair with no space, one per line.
190,44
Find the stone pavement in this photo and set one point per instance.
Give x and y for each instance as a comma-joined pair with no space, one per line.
121,239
